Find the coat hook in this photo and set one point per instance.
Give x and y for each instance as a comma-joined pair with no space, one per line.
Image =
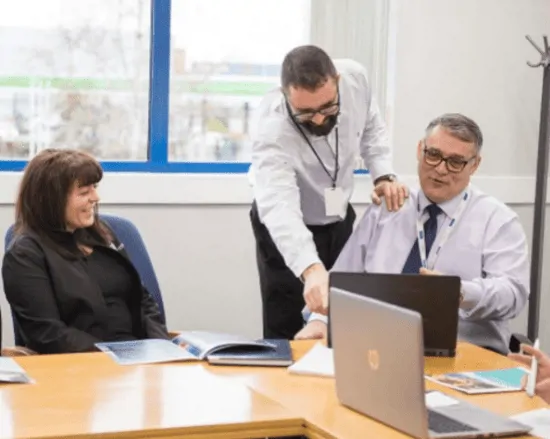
545,54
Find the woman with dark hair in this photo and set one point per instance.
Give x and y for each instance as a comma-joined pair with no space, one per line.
66,277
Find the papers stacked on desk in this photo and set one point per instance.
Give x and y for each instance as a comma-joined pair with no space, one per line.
483,381
11,372
319,361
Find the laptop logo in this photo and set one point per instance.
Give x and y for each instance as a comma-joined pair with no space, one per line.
374,359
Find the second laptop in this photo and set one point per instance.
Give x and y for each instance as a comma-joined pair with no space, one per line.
436,298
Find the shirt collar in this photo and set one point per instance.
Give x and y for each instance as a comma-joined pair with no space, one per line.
448,207
278,104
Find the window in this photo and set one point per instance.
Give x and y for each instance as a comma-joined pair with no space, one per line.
148,85
75,74
225,55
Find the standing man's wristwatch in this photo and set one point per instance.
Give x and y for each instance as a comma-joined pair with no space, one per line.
387,177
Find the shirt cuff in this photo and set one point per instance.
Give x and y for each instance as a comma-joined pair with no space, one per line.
472,294
380,168
320,317
302,262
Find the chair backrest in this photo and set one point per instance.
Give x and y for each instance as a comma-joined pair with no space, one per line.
134,245
129,235
8,237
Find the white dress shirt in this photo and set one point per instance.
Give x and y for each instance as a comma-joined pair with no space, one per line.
487,249
287,179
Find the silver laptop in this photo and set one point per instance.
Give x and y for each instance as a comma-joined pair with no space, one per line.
379,372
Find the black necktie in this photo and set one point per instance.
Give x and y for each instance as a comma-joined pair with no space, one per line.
413,263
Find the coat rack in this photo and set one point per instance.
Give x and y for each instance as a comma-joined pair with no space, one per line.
540,192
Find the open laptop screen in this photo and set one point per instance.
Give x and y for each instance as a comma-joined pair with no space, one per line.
436,298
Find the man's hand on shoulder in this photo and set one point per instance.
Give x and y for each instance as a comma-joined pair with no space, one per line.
316,329
393,192
315,279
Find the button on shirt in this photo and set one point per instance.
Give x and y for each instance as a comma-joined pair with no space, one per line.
287,179
487,249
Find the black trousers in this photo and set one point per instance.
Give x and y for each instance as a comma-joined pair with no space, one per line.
282,291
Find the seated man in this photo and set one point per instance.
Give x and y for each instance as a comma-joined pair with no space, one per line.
462,232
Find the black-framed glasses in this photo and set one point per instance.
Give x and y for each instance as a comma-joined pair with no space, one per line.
433,157
329,109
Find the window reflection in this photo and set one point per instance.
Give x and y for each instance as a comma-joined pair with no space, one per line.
75,74
225,56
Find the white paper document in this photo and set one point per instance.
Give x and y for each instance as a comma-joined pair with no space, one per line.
538,420
436,399
319,361
11,372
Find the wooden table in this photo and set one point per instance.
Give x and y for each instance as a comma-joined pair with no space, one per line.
88,395
315,398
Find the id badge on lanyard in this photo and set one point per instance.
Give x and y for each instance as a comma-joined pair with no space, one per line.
335,201
428,261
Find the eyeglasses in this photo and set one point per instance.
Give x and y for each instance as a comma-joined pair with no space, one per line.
329,109
433,157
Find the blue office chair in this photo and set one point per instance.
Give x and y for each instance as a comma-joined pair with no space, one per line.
134,245
129,235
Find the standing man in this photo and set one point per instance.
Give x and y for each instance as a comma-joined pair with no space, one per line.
306,140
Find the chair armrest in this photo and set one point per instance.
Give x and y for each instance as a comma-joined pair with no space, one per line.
16,351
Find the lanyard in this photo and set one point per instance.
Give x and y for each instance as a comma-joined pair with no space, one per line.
336,163
446,232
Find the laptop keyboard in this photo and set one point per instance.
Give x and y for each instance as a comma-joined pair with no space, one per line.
439,423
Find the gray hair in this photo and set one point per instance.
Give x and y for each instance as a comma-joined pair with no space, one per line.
458,126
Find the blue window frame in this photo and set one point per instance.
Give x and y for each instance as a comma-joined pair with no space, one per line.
158,113
159,107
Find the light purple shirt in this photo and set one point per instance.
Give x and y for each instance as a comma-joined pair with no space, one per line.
487,249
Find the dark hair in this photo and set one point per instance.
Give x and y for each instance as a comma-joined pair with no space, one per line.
44,190
307,67
459,126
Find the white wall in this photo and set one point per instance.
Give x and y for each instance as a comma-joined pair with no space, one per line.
470,56
466,56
